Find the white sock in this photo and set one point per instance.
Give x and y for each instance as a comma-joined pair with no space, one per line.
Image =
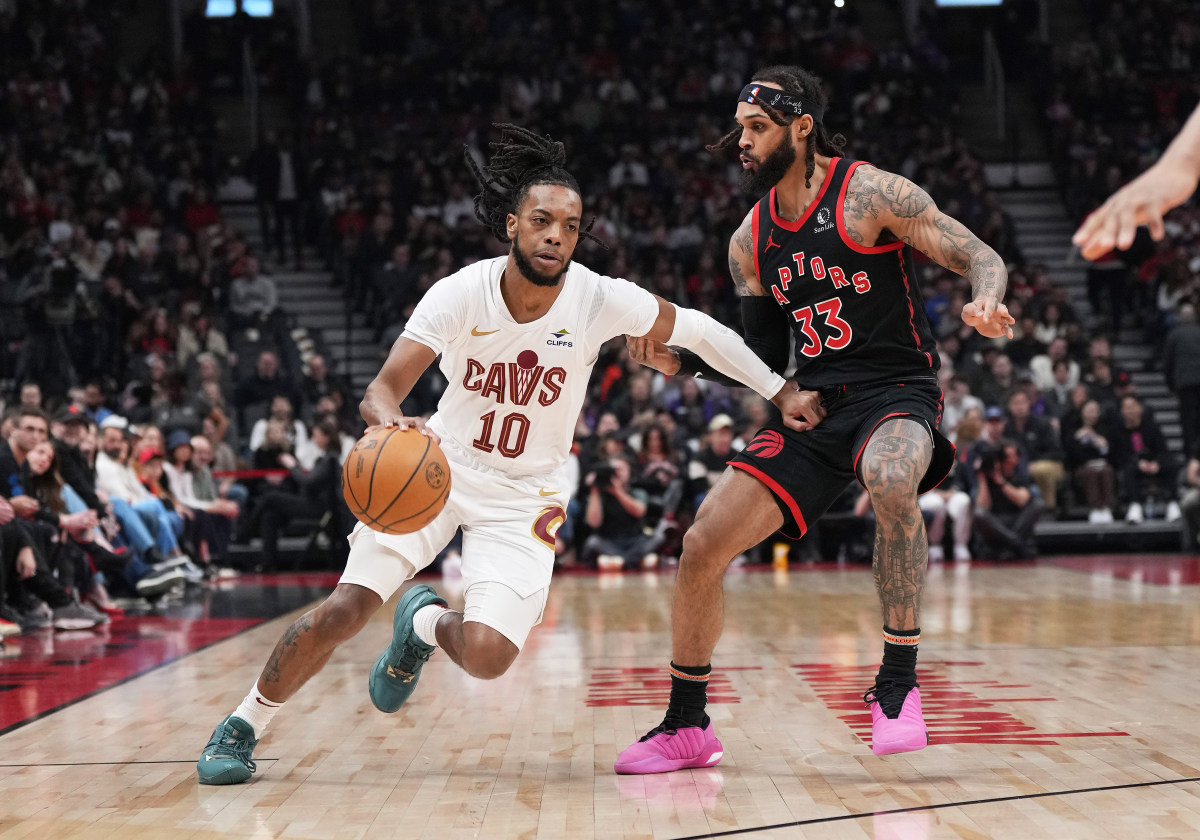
425,622
257,710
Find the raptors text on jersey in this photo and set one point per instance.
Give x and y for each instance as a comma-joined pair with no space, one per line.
856,312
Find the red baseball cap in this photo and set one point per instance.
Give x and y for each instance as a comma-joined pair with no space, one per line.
148,453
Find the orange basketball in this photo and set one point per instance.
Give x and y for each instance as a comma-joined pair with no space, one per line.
396,481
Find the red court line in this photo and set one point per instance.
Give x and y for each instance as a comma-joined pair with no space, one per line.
1157,569
44,671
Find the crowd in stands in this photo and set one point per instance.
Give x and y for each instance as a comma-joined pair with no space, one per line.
155,357
141,338
1121,91
392,217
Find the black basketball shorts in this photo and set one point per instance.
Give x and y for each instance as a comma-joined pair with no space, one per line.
807,471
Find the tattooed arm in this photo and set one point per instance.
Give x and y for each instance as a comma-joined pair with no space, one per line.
741,260
877,201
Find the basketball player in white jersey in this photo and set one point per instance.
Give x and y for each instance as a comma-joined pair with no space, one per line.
517,336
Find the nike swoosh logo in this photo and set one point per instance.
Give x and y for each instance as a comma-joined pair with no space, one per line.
475,331
542,492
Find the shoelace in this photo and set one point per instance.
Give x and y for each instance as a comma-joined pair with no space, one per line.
889,694
670,727
235,747
412,658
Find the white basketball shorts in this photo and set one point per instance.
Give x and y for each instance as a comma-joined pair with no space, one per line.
508,546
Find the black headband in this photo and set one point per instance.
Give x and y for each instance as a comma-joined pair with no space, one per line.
781,100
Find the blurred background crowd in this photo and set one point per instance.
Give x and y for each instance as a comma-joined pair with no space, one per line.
164,407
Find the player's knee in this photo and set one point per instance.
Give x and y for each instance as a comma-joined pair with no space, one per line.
893,498
345,612
487,653
698,545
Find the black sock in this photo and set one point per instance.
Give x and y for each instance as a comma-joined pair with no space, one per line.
689,694
900,653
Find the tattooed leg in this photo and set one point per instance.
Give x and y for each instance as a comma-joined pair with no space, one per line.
894,462
308,643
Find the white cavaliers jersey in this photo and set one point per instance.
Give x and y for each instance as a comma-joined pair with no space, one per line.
515,389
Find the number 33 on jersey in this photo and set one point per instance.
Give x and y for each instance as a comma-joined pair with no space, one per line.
855,309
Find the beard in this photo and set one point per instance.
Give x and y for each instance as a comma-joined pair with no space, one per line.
530,272
770,171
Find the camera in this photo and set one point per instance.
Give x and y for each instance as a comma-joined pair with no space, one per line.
604,475
51,292
988,459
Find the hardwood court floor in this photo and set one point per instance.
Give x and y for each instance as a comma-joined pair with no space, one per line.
1061,696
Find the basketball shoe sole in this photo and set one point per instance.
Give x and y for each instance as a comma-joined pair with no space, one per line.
671,749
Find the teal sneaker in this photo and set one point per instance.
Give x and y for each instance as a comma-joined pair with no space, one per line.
226,760
397,669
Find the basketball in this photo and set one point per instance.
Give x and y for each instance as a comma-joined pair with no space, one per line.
396,480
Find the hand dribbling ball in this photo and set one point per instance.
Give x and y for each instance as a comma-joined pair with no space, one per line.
396,480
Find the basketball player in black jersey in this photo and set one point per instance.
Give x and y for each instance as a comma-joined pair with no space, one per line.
825,256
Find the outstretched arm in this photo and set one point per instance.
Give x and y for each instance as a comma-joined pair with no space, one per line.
405,363
718,353
876,200
764,324
723,350
1144,200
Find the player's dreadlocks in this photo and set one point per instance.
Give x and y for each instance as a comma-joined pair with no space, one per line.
519,160
791,77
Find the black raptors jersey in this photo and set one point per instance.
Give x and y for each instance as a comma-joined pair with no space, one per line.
857,311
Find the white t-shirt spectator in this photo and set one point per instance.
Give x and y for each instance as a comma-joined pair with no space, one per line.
455,210
1043,372
299,435
119,481
250,298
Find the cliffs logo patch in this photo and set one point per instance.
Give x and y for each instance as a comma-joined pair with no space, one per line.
559,339
766,444
824,220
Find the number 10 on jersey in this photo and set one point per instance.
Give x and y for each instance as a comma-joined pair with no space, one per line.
514,432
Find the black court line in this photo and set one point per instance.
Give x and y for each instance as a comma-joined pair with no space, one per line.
915,808
114,763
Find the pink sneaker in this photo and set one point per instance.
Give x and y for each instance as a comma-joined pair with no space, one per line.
903,730
662,750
